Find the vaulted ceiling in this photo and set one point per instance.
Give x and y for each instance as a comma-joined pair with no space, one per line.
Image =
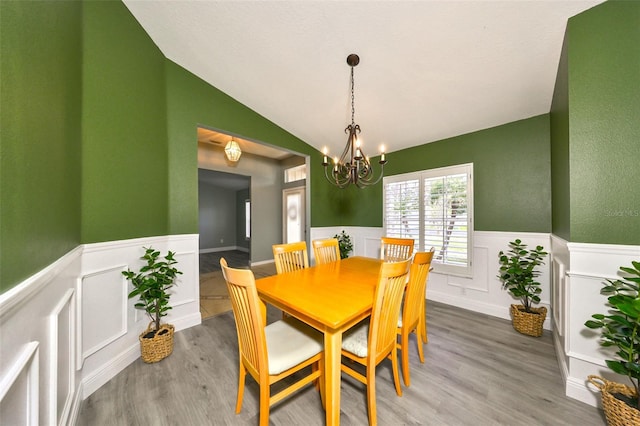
428,69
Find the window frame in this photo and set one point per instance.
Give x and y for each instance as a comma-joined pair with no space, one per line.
295,173
421,176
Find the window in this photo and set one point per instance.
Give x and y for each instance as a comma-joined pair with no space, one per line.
435,208
293,174
247,219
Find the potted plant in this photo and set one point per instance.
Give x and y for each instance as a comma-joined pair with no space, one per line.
151,285
344,244
621,329
518,274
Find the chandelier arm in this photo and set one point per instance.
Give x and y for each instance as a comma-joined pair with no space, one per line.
335,179
339,176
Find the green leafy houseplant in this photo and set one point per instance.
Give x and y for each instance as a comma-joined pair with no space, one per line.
344,243
621,328
518,273
152,282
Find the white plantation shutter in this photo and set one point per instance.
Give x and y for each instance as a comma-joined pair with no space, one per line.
434,207
402,209
446,218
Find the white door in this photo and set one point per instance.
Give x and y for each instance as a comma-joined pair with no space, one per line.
293,224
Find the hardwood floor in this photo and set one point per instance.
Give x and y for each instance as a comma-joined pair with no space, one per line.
214,297
210,262
478,371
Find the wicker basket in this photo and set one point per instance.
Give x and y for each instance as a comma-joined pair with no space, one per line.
528,323
159,346
617,412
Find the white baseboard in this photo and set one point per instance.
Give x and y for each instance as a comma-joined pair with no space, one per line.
263,262
187,321
580,390
75,406
107,371
218,249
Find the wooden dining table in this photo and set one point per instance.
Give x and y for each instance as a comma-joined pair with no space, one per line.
331,298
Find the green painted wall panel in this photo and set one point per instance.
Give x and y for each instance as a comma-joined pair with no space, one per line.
511,166
40,93
125,150
604,111
512,174
560,190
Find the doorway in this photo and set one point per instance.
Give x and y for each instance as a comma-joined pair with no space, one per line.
293,209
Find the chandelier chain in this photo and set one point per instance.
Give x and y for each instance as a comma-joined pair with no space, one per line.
353,99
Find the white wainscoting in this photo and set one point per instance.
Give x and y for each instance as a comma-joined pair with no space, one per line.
586,267
483,291
365,240
70,328
19,388
62,361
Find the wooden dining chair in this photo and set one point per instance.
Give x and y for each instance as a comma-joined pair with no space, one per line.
290,257
394,249
423,317
273,352
413,309
326,251
372,341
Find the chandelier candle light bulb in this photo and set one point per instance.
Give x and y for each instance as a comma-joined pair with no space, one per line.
358,153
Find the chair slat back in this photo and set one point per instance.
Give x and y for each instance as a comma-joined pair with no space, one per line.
250,325
290,257
326,251
415,294
394,249
386,308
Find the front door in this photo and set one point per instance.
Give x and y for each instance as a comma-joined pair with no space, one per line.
293,224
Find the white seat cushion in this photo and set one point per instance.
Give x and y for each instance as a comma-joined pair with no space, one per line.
356,338
290,342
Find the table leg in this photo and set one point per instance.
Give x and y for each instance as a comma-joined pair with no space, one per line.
332,353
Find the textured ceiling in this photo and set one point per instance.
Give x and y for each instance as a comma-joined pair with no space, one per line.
428,69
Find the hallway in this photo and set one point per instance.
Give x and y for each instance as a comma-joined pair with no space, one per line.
214,298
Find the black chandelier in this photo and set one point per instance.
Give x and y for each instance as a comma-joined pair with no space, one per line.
354,166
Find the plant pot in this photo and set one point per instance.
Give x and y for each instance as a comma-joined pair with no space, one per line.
158,347
526,322
617,412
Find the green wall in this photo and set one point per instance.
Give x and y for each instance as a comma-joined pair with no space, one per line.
124,135
604,123
512,177
40,90
560,191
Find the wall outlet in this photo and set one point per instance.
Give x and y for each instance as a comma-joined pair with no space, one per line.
221,240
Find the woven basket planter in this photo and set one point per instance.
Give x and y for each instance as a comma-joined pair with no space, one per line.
528,323
617,412
159,346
